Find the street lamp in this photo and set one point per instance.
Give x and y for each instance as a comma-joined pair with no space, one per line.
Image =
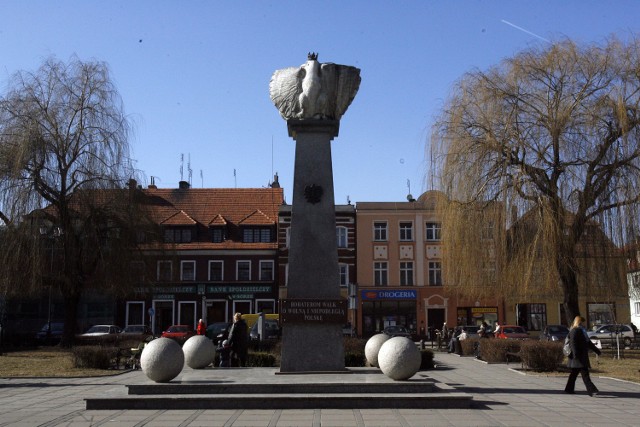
52,233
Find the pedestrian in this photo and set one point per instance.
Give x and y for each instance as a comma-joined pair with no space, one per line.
201,329
496,332
224,351
239,340
579,357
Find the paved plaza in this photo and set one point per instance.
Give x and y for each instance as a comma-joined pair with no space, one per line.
502,396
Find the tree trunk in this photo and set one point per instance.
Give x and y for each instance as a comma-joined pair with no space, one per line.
71,301
569,283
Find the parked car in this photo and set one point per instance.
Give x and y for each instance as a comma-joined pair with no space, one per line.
218,331
271,330
50,336
180,333
100,334
513,332
607,334
137,332
397,331
554,333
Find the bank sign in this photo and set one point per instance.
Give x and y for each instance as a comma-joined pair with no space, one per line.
388,294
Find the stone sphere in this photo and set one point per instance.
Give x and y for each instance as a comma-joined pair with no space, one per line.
372,348
162,360
199,352
399,358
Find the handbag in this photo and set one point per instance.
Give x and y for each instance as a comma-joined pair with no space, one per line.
566,348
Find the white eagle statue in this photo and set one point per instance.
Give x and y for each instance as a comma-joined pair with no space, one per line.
314,90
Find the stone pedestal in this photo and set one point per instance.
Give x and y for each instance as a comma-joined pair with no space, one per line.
313,255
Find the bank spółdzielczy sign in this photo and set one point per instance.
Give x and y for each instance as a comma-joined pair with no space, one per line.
313,311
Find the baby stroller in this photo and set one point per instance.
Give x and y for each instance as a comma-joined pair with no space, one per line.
136,352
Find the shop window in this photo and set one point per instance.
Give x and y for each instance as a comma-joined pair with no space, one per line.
435,273
187,270
380,273
532,316
600,314
243,270
380,231
406,273
216,271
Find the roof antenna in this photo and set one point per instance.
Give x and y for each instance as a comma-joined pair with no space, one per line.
182,167
409,196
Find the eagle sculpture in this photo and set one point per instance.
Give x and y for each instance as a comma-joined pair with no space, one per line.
314,90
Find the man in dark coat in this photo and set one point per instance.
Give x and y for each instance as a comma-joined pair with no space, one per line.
579,357
239,340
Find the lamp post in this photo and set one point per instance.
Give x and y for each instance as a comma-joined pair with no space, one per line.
51,233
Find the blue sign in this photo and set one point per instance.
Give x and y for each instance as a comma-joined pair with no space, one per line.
399,294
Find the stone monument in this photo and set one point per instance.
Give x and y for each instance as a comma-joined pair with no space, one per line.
312,98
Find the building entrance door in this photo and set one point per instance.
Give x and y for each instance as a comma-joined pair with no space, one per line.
163,316
217,312
435,320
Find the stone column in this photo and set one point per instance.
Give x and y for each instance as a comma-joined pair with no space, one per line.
313,254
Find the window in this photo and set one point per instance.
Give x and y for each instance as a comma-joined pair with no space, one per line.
406,231
489,268
636,307
341,234
177,235
433,231
380,231
164,271
532,316
243,270
217,234
137,271
435,273
266,270
600,314
343,271
256,235
187,270
216,272
406,273
380,273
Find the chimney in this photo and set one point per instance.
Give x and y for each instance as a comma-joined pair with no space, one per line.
275,183
183,185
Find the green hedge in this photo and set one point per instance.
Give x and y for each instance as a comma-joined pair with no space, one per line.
94,356
494,350
542,356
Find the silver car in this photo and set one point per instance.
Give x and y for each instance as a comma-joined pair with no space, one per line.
608,334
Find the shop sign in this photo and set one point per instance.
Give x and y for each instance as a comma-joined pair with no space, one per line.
478,310
247,289
167,289
313,311
389,294
164,296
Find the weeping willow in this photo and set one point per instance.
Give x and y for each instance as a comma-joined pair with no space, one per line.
544,149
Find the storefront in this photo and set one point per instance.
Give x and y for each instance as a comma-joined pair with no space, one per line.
382,308
477,315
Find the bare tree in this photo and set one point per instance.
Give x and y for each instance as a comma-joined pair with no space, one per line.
63,149
551,133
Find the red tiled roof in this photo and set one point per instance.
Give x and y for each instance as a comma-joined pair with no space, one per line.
231,205
257,218
179,218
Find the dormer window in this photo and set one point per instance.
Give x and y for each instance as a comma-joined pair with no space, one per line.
257,235
218,234
177,235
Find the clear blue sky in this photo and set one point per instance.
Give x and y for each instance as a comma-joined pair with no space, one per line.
194,75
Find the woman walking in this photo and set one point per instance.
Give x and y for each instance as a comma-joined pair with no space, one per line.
579,357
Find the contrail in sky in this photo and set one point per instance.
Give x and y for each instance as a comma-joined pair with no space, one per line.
525,31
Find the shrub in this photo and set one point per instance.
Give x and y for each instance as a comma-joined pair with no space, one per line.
469,346
261,359
93,356
354,359
541,355
354,344
494,350
427,359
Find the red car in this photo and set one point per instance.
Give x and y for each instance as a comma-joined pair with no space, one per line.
512,332
180,333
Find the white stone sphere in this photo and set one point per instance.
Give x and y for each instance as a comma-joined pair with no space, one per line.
399,358
162,360
372,348
199,352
